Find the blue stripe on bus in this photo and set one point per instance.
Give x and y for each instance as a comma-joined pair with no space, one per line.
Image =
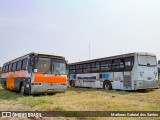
87,78
72,76
104,75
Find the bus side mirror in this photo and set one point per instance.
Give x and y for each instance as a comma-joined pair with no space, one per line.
67,64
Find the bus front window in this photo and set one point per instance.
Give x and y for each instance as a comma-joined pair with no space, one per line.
43,65
58,67
146,60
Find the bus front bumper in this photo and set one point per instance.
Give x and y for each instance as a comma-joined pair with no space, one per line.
142,84
48,88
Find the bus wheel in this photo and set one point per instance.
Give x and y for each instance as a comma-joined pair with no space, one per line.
107,85
22,89
72,83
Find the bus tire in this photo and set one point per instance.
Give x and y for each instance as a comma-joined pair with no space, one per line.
22,89
107,85
72,83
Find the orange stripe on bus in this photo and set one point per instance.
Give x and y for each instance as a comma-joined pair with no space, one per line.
50,78
10,83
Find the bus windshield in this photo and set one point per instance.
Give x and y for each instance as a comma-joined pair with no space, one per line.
146,60
43,65
50,66
58,67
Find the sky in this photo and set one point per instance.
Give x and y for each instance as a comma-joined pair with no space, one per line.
67,27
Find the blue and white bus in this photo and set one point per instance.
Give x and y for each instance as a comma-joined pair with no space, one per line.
130,71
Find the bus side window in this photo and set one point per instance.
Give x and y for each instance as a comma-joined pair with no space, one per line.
6,70
10,67
95,67
84,68
24,63
19,65
88,67
3,69
106,66
129,62
118,65
78,69
72,69
14,66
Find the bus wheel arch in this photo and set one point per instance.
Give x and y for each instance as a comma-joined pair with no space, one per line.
72,83
107,85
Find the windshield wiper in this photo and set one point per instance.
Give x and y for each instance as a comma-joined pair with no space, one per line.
47,70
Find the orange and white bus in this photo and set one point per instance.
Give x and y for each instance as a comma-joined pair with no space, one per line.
35,73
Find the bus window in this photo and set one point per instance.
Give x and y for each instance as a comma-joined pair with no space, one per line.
106,66
129,62
78,69
6,68
43,65
14,66
84,68
24,64
88,67
10,67
58,67
19,64
95,67
146,60
3,69
118,65
72,69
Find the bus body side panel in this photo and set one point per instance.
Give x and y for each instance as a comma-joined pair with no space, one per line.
93,80
26,81
10,80
106,76
117,80
87,80
19,77
3,79
23,77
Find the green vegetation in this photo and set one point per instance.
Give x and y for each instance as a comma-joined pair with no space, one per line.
82,99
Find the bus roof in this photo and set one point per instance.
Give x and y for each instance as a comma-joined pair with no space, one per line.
48,54
113,57
34,53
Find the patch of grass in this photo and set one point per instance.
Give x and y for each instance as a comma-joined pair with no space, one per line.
83,99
